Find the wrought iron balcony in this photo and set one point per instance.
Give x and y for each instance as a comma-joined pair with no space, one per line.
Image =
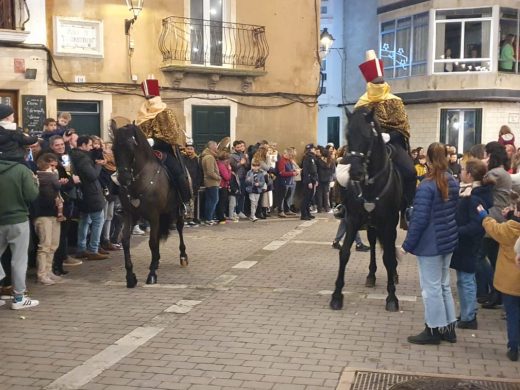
208,46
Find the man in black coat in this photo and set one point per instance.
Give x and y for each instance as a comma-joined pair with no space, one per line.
192,164
309,176
13,141
91,201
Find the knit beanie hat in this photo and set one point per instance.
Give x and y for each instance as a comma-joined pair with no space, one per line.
5,111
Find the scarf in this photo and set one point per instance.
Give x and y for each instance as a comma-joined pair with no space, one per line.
376,93
466,188
149,109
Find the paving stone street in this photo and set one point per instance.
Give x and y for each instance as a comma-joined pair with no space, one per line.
250,312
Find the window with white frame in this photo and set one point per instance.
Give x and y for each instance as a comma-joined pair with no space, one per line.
404,46
508,46
463,40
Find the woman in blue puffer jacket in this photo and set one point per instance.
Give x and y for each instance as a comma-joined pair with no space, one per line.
432,237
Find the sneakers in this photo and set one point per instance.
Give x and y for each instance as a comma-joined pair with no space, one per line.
336,244
46,281
2,302
24,303
103,251
74,262
290,213
223,222
242,215
136,231
96,256
282,215
253,219
108,246
209,223
362,248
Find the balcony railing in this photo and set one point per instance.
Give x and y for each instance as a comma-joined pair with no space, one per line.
209,43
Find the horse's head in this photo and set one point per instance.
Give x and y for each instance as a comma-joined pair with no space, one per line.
362,134
129,142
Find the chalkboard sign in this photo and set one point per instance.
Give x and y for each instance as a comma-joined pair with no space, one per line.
33,112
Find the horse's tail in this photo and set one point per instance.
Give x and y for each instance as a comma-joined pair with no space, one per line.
165,221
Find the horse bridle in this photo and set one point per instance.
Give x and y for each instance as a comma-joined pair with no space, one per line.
134,178
368,181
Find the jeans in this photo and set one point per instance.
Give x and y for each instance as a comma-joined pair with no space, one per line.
512,306
484,275
95,220
241,198
342,230
285,196
434,275
290,201
16,237
211,194
322,196
467,289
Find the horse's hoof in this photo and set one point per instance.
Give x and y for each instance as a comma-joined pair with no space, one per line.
151,279
336,303
131,281
184,261
396,279
392,306
371,281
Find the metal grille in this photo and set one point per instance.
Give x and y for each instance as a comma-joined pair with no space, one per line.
213,43
368,380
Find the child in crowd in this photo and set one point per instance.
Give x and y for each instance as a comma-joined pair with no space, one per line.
255,185
46,223
507,272
421,168
474,190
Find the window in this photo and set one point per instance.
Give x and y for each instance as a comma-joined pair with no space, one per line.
211,10
404,46
463,40
508,46
461,128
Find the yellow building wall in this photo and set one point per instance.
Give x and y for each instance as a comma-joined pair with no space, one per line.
292,66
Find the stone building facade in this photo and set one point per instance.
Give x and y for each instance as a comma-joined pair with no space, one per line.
226,67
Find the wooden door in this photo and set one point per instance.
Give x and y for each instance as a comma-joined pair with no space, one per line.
10,98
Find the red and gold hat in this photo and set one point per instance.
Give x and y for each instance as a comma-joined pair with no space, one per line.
150,88
372,68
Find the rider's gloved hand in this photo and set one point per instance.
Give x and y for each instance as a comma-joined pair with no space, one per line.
386,137
151,141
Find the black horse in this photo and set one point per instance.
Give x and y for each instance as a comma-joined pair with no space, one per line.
372,198
145,191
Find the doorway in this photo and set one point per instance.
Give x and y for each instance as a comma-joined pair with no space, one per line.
86,117
209,123
11,99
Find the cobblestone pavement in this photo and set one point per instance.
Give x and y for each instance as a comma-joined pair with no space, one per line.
250,312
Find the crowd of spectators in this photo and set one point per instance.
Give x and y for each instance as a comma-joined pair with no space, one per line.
474,232
466,213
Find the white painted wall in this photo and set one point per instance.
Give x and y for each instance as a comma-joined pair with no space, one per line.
335,62
37,23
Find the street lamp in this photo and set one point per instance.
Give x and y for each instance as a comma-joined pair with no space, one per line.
326,41
135,6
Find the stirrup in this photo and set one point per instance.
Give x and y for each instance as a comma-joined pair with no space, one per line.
185,209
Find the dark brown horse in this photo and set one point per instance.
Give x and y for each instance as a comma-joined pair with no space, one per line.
373,199
145,192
